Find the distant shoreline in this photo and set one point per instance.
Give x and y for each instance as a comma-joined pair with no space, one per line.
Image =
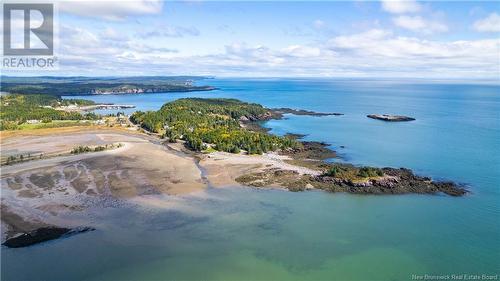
75,86
95,107
147,91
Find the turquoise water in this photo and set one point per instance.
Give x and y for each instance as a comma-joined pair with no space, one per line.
248,234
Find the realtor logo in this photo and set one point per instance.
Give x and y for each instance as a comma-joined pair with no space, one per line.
31,26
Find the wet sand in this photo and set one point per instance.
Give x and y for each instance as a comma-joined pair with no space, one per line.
35,193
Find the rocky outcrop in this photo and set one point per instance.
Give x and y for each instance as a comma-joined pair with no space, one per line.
311,150
41,235
390,118
313,155
394,181
284,110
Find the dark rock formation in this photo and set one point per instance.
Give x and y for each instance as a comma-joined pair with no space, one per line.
311,150
394,181
283,110
390,118
41,235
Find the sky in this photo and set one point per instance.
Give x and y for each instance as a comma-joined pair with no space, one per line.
416,39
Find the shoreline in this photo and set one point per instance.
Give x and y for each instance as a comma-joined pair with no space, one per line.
141,168
85,108
187,90
310,159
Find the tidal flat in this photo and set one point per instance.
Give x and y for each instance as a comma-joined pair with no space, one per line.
36,193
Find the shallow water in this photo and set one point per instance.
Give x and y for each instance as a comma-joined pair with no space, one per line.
249,234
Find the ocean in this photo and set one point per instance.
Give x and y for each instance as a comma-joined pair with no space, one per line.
251,234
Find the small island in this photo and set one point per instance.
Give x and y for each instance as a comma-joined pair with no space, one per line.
390,118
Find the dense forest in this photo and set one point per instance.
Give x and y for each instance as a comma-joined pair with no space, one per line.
17,109
215,122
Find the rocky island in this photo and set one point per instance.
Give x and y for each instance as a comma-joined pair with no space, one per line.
390,118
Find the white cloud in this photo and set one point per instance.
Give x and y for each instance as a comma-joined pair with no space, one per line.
301,51
111,9
319,24
375,52
359,40
113,35
170,31
419,24
241,52
372,45
371,53
401,6
81,49
488,24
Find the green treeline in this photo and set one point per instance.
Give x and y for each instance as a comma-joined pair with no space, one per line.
85,149
17,109
212,121
350,172
67,86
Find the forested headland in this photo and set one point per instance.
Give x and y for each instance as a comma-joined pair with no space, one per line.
68,86
213,123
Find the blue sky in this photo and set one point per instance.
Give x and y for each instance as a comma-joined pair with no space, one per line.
326,39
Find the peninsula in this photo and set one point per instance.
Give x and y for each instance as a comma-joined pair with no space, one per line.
215,126
70,86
